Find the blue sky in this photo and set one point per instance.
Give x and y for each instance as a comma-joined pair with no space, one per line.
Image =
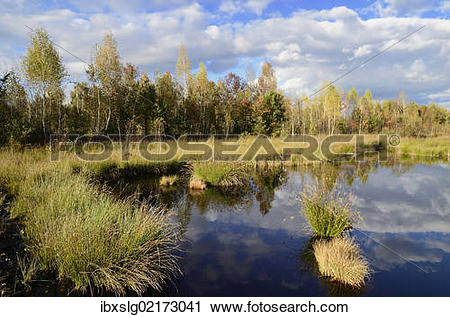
306,41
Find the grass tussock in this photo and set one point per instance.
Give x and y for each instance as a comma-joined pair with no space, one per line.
222,174
329,212
341,260
169,180
83,234
197,184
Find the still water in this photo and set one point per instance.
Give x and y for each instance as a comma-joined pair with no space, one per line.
257,243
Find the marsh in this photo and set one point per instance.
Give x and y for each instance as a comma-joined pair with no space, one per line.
256,243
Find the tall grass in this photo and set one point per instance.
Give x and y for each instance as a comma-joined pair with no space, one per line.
83,234
329,211
438,147
341,260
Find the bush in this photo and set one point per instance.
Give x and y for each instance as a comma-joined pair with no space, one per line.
341,260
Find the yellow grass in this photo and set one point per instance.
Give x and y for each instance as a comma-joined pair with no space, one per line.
340,259
197,184
170,180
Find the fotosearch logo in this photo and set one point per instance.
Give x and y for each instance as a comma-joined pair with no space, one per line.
226,148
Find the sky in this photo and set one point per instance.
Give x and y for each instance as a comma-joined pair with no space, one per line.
307,42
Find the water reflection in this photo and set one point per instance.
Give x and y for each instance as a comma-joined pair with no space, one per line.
256,243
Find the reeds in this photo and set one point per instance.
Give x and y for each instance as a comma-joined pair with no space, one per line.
224,175
82,233
340,259
329,211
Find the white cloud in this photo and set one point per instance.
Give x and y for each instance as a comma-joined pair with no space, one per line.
362,51
444,6
238,6
307,47
257,6
401,7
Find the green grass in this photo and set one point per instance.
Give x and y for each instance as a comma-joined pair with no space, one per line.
329,211
340,259
82,233
221,174
438,147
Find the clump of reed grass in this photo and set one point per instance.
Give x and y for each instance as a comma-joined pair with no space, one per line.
169,180
329,211
197,184
91,239
341,260
224,175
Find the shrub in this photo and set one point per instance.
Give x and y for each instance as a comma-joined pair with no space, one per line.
341,260
328,211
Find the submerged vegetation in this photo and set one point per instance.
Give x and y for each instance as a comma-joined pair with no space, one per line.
340,259
85,236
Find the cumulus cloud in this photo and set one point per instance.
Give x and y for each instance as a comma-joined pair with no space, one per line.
305,47
236,6
402,7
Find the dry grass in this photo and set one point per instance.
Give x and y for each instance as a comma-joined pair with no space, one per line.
170,180
197,184
340,259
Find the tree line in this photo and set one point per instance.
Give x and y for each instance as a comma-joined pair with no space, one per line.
117,98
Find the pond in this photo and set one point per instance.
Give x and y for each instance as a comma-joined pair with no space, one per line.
257,243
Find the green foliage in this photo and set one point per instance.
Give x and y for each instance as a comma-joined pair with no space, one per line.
119,99
270,113
45,72
12,110
42,64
